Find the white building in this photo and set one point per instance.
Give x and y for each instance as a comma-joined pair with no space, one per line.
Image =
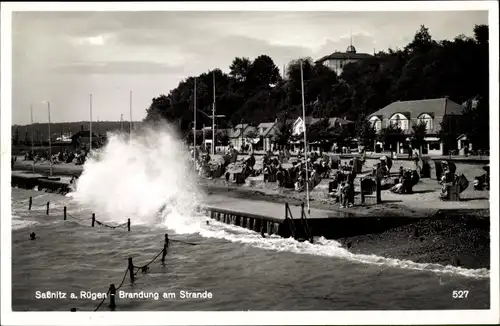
337,60
407,113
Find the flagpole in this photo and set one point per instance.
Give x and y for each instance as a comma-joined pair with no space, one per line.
32,138
194,127
90,147
130,127
213,118
305,136
50,141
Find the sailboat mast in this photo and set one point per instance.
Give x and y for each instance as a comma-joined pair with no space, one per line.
305,135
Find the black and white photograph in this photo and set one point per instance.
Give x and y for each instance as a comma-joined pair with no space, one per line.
249,163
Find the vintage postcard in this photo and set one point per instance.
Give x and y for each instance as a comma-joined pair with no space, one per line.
249,163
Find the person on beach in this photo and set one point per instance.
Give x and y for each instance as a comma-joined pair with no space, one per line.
417,162
344,195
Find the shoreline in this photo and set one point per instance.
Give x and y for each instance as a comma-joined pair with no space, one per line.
392,205
458,237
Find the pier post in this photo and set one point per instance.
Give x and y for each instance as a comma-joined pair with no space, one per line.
128,225
65,213
30,203
131,269
256,225
48,204
378,190
93,219
164,253
165,246
238,220
112,292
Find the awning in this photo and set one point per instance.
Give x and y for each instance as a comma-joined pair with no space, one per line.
431,139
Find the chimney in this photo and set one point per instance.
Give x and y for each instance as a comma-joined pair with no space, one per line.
81,128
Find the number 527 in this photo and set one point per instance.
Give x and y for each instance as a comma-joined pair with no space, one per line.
460,294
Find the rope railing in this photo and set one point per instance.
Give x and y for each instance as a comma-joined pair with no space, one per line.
66,215
131,269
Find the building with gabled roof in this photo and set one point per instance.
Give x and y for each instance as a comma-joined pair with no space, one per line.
407,113
337,60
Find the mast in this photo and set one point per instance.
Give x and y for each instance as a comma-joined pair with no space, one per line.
121,122
50,142
194,127
130,126
213,117
32,138
305,135
90,134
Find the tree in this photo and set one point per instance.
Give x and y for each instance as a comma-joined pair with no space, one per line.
222,138
254,90
365,132
319,130
240,68
477,127
283,132
159,109
263,73
392,135
419,132
422,41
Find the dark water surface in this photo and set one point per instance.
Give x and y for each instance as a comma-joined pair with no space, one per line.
250,273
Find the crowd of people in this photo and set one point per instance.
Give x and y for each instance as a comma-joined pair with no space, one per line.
77,157
343,173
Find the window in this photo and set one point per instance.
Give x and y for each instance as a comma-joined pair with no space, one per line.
427,119
376,123
434,146
399,120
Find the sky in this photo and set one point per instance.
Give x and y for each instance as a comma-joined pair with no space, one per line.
62,57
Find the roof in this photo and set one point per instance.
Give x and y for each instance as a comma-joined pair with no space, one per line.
267,127
248,129
236,131
331,121
345,56
238,126
413,109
